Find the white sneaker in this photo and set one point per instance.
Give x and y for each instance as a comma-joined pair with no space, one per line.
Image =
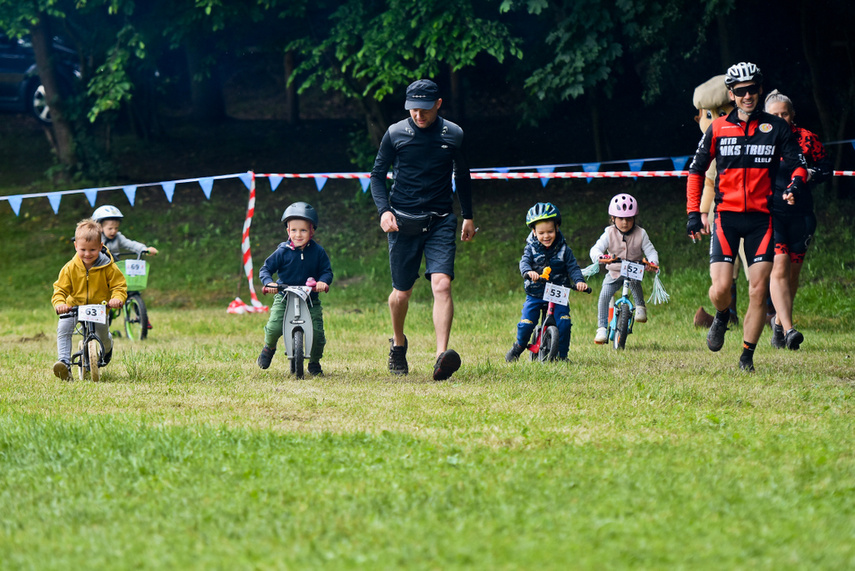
602,335
641,314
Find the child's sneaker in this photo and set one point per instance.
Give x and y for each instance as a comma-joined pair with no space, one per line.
108,356
602,336
266,356
514,353
315,369
640,314
62,369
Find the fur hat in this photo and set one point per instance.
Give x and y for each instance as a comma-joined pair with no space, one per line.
711,94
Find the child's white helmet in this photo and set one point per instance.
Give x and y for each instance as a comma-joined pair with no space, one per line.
105,212
623,206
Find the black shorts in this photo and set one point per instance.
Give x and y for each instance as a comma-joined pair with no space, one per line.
793,234
437,245
753,227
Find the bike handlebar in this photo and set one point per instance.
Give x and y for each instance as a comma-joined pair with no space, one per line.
616,259
282,287
129,255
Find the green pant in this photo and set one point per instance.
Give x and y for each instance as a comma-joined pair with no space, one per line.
273,329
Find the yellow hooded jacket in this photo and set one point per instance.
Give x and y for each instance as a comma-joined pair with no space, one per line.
78,286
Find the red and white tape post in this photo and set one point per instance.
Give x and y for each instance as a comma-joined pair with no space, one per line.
238,306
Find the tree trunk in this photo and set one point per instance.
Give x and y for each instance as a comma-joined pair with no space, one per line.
292,101
458,109
60,134
206,90
375,119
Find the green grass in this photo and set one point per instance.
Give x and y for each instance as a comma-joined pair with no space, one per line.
189,456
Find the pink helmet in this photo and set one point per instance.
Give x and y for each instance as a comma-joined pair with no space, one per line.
623,206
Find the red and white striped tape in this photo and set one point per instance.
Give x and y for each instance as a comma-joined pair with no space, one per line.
247,254
516,175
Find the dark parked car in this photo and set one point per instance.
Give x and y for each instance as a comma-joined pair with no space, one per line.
21,90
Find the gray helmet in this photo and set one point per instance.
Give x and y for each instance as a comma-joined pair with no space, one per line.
302,210
741,72
105,212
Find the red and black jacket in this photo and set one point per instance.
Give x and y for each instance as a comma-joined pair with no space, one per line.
748,156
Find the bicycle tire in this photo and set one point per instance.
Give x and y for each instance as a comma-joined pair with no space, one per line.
298,354
81,365
136,318
93,358
532,355
622,328
548,345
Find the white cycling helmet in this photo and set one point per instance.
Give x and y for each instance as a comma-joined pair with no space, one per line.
105,212
741,72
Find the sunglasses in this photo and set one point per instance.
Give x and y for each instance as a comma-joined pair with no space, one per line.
752,89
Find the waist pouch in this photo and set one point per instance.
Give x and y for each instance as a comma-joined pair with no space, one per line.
414,224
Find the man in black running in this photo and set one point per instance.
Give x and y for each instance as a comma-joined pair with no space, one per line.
424,151
749,146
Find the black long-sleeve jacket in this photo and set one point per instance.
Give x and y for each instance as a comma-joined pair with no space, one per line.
422,162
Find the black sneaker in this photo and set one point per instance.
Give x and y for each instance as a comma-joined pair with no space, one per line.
108,356
514,353
793,339
62,369
715,337
778,340
746,364
398,358
266,356
446,364
315,369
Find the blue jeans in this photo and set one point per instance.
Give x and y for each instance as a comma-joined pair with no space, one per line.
530,316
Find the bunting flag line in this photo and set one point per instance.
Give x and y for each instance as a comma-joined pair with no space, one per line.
544,173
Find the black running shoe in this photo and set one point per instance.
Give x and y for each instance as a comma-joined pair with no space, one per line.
746,364
778,340
514,353
62,369
315,369
266,356
793,339
398,358
715,337
446,364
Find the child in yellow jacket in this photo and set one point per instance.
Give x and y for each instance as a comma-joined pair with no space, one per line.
91,277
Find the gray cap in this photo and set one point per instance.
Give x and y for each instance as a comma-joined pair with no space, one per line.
421,94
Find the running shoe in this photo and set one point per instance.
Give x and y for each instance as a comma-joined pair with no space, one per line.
641,314
398,358
315,369
62,369
266,356
793,339
601,336
715,337
746,364
446,364
514,353
778,340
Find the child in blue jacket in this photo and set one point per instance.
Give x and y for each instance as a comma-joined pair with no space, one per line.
545,247
294,262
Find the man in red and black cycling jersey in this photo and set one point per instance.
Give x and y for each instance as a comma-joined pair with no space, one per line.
749,146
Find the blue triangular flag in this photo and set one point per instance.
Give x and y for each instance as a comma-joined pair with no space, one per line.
636,166
207,184
679,162
15,203
274,181
365,182
130,192
92,195
169,189
591,167
246,178
502,169
54,199
544,170
320,181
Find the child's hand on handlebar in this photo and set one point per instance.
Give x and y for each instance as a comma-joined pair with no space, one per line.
533,276
322,286
115,303
62,308
650,266
582,286
271,287
606,259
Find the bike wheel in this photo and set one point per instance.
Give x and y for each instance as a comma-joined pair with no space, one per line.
93,357
548,345
136,318
622,327
532,354
84,361
297,366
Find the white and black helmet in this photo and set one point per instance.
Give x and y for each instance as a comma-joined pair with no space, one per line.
106,212
741,72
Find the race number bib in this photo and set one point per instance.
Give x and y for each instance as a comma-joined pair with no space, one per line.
93,313
134,267
632,270
557,294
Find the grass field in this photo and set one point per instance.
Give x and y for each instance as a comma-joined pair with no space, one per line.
189,456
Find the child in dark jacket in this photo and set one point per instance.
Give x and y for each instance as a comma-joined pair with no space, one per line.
294,262
545,247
